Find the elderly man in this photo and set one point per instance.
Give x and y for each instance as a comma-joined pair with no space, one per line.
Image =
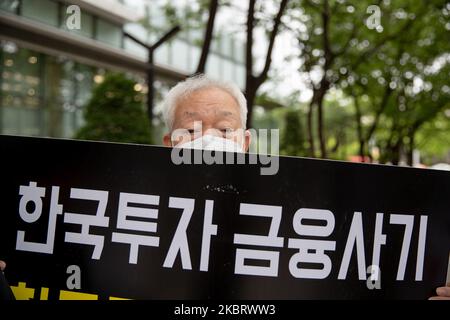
202,113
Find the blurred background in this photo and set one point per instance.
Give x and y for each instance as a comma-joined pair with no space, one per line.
362,81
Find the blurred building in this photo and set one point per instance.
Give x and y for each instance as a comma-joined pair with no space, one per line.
48,70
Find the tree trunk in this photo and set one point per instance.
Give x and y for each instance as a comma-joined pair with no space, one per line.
213,4
324,84
412,143
254,82
312,149
396,153
320,127
318,96
250,90
250,95
411,148
359,129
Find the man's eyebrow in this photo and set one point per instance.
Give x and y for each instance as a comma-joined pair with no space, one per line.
191,113
227,113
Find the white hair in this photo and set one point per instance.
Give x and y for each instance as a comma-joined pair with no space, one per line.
185,88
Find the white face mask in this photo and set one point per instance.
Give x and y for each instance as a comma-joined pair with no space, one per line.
209,142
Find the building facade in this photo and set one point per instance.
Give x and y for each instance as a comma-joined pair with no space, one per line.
48,68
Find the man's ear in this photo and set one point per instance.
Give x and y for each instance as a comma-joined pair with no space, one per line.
247,140
167,140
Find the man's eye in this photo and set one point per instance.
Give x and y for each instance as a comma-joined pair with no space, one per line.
191,131
227,130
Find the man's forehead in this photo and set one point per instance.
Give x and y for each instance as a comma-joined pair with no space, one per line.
196,113
212,104
208,96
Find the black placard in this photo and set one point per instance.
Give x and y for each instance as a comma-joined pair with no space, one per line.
306,216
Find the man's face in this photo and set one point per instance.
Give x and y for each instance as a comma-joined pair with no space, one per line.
218,112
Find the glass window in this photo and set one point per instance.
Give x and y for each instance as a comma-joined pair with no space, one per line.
240,76
162,54
68,125
228,48
30,120
157,16
54,71
9,5
45,11
84,80
135,49
216,45
194,58
42,95
86,23
10,118
213,66
196,36
21,91
228,70
109,33
180,51
76,84
239,52
131,46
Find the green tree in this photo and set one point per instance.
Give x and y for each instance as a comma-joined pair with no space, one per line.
421,101
338,50
293,141
116,113
432,139
403,85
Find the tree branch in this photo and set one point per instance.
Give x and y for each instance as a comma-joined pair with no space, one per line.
313,5
329,56
367,54
213,5
345,47
276,25
383,104
249,45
